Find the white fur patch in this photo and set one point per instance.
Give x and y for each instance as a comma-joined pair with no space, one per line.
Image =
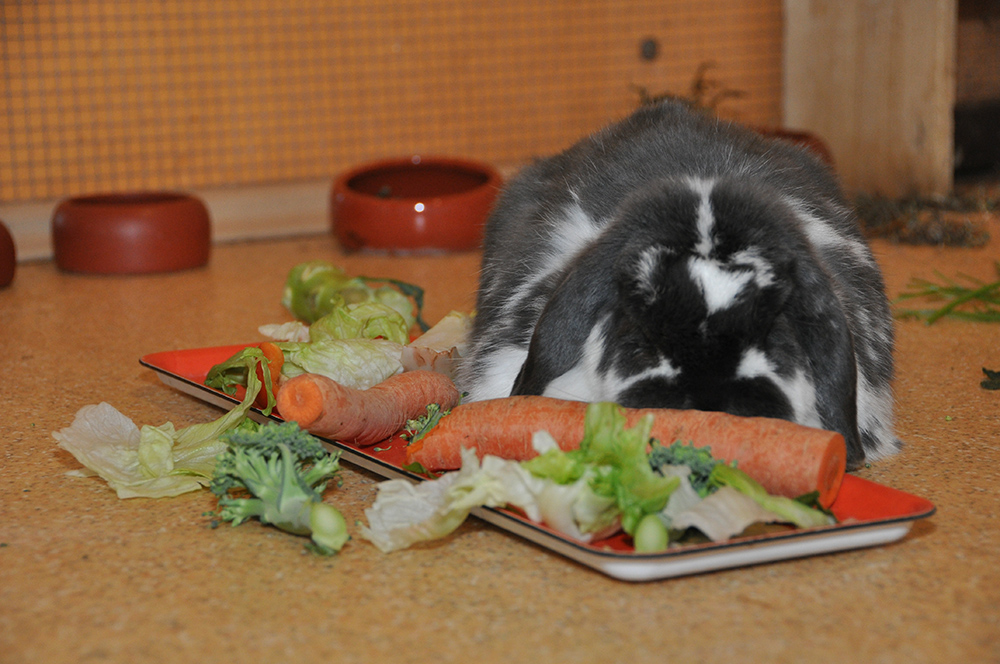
583,382
499,373
754,363
615,385
644,269
763,274
573,231
718,285
798,389
705,221
875,418
824,236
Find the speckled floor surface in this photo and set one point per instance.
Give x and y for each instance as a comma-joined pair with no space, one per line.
85,577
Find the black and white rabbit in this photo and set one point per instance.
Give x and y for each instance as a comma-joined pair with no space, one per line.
673,260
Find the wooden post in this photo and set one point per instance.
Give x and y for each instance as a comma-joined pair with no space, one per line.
875,79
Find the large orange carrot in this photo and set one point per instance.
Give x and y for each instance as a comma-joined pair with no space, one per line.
363,417
786,458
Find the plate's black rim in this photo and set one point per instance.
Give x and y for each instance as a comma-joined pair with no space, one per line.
582,547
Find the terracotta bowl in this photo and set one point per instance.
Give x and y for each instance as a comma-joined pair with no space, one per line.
413,204
131,233
8,256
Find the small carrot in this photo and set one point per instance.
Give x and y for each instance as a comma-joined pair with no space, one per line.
363,417
275,360
786,458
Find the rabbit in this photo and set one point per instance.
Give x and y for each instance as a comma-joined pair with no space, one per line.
675,260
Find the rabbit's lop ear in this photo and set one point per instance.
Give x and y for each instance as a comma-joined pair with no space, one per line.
801,293
824,336
567,337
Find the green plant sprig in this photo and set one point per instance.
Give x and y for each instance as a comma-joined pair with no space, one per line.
979,301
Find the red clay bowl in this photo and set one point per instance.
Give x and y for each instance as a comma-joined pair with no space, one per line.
8,256
131,233
413,204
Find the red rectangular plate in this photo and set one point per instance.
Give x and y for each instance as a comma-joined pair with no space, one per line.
869,514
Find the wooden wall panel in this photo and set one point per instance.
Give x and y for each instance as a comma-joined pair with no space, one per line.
103,95
876,80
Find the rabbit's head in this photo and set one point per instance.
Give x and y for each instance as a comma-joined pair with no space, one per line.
700,294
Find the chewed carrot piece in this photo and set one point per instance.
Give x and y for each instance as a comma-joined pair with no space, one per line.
786,458
363,417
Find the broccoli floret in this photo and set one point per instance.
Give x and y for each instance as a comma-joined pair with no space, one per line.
698,459
284,470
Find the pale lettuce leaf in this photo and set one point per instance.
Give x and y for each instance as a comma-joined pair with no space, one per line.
684,497
723,514
404,513
789,509
151,462
356,363
367,320
291,331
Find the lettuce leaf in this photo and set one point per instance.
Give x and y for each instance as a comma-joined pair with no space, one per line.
685,497
615,461
161,461
723,514
317,288
149,462
788,509
241,369
404,514
357,363
294,330
368,320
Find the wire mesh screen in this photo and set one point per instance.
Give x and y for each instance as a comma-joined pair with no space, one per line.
105,95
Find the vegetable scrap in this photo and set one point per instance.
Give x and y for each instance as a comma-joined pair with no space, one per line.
317,288
151,462
355,363
698,460
955,221
976,301
264,362
609,481
992,381
363,417
277,473
505,428
440,348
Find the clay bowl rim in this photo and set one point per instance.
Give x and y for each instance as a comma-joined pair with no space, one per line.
151,198
493,178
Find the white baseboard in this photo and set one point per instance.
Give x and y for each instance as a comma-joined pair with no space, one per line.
237,213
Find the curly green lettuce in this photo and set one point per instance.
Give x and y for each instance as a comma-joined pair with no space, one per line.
317,288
